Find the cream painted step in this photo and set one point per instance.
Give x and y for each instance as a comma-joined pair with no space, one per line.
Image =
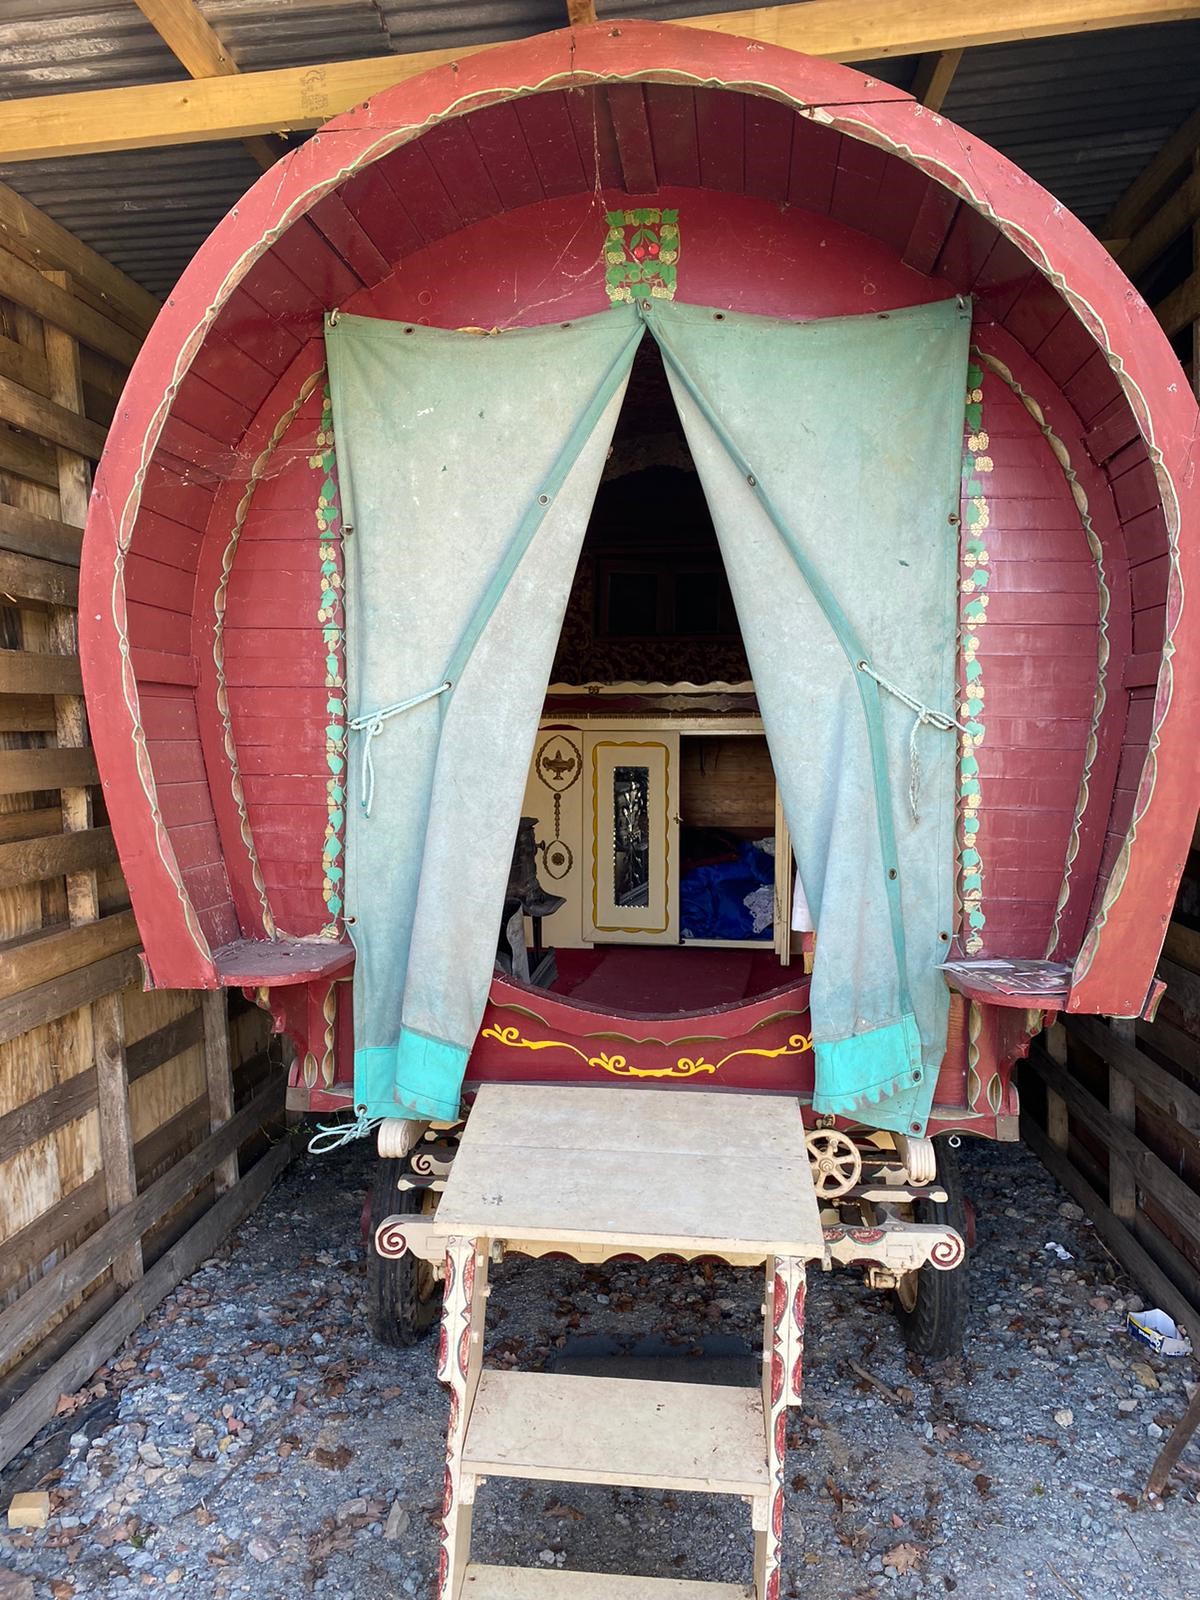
618,1430
545,1583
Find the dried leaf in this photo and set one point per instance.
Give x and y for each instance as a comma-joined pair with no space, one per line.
563,1513
904,1557
983,1484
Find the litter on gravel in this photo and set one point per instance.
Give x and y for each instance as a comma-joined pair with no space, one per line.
251,1439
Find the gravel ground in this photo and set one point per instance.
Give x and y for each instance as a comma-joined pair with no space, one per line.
251,1438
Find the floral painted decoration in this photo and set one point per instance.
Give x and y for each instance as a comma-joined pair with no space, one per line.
640,254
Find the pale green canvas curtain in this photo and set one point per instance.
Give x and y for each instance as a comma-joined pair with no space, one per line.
467,465
830,455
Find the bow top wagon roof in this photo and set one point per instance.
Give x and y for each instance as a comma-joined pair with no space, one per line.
1082,114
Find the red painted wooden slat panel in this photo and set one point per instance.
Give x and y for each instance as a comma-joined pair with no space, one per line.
195,844
997,760
456,160
1148,582
1146,536
1051,575
177,759
295,303
768,147
430,208
273,671
1017,695
292,730
374,204
1112,430
1139,724
233,371
168,714
220,925
296,870
253,331
303,761
277,788
196,450
721,134
210,410
901,191
182,804
546,125
316,264
300,911
968,245
594,137
1065,611
160,584
857,182
671,110
1149,628
627,104
1091,389
296,552
279,829
1065,349
931,228
269,706
153,628
172,543
506,155
1037,733
283,608
179,500
1054,796
813,165
155,667
345,234
1136,491
1035,311
1001,280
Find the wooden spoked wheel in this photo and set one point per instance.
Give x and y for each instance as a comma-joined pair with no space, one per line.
404,1297
835,1161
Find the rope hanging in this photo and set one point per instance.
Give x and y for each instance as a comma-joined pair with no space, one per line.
924,715
332,1136
372,726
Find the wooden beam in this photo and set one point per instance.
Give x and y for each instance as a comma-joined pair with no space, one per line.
581,13
33,860
51,954
1181,307
46,1002
1171,219
1148,188
190,37
241,105
934,76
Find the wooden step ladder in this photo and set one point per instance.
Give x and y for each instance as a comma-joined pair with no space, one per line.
594,1174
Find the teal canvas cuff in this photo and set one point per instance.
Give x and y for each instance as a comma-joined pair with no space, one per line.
878,1076
417,1077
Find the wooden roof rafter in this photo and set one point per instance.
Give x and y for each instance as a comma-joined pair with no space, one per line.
246,105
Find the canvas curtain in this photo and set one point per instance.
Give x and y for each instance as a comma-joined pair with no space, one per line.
830,455
467,467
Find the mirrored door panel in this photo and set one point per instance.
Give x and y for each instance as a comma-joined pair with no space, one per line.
633,895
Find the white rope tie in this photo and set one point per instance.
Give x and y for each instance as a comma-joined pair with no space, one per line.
332,1136
923,716
372,726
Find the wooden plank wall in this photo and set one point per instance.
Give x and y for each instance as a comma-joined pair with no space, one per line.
1113,1109
129,1122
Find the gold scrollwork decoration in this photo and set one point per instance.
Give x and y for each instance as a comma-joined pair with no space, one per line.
620,1067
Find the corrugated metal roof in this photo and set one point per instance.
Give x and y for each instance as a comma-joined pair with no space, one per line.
1082,114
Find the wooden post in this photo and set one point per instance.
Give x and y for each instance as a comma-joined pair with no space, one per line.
1122,1097
116,1133
218,1067
1058,1122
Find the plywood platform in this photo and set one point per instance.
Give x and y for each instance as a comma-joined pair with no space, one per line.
645,1435
682,1170
544,1583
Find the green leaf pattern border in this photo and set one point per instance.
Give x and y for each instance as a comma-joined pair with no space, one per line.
973,604
331,616
641,252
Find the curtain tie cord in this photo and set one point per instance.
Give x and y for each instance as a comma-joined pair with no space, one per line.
372,726
924,715
332,1136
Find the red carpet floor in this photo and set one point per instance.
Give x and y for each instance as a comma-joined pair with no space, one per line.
660,981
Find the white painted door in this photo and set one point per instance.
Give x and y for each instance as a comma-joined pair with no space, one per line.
633,838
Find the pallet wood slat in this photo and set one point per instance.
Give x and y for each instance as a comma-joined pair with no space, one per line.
29,578
164,1044
36,1405
30,1246
1148,1078
27,409
32,290
32,860
46,1002
48,1296
27,672
1153,1175
64,1103
218,1071
28,771
52,955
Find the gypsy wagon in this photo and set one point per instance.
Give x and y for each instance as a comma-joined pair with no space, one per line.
723,461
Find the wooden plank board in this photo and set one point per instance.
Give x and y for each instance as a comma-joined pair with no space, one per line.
33,291
31,860
51,955
45,1112
662,1169
647,1435
1155,1083
24,672
27,771
46,1002
48,582
482,1582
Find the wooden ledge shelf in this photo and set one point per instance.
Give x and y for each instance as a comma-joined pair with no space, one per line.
543,1583
998,981
646,1435
279,963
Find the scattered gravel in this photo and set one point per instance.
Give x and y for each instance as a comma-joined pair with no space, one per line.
251,1439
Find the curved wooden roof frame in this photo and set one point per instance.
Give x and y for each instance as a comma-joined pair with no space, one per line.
1149,412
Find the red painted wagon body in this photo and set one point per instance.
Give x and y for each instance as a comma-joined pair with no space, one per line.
477,195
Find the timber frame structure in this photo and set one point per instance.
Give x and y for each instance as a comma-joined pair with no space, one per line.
133,1121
